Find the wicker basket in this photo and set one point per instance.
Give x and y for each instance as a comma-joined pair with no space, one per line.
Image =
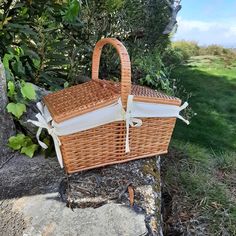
105,144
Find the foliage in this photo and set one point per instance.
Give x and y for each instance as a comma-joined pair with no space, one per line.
186,48
22,143
155,71
181,51
215,50
172,57
71,11
24,92
226,54
50,43
155,74
27,90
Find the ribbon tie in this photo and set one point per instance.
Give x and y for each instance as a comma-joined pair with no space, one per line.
181,117
130,121
43,122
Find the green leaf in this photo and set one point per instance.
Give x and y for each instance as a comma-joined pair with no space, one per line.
28,91
66,84
29,150
16,142
20,141
72,11
36,63
11,89
17,109
18,66
27,141
148,78
7,57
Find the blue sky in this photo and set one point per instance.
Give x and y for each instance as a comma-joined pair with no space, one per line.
208,22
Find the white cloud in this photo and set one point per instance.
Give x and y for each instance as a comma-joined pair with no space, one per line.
205,33
231,32
198,25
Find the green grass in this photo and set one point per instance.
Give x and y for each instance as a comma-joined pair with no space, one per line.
203,167
213,89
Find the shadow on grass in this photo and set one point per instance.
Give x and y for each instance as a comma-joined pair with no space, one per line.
214,101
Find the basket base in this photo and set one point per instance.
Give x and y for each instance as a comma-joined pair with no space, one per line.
116,162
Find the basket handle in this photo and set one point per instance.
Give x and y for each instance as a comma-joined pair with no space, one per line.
125,65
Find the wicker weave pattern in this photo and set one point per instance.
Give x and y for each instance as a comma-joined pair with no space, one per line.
105,145
79,99
145,94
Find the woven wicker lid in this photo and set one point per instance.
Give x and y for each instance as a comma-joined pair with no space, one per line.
145,94
92,95
79,99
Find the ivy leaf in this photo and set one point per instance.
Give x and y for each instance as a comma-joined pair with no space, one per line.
11,89
28,91
27,141
17,109
7,57
29,150
23,143
16,142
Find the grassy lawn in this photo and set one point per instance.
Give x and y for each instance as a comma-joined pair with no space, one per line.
200,172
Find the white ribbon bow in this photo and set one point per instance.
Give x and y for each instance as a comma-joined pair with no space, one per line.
130,121
44,123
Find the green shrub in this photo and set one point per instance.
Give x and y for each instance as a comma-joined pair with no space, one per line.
172,57
217,50
186,48
154,73
56,38
227,55
214,50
